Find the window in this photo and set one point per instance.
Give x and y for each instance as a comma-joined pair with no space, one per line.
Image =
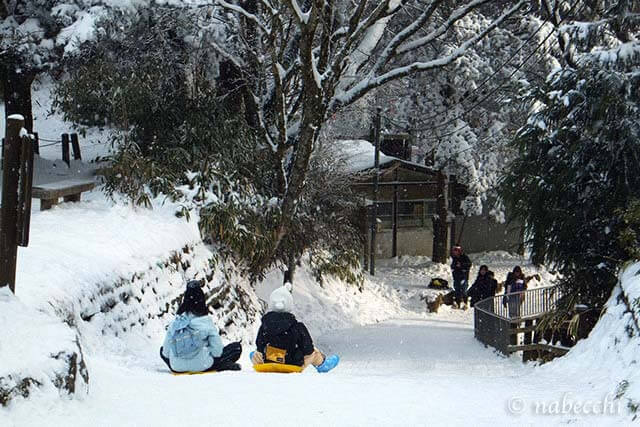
411,213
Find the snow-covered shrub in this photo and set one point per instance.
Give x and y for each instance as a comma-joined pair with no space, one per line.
629,236
179,137
37,351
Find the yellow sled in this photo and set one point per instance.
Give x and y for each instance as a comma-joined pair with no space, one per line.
278,367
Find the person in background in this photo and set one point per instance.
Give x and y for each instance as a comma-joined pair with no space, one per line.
192,342
481,288
515,285
460,266
283,339
493,284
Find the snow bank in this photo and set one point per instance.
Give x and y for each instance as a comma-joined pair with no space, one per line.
38,351
335,304
610,355
117,273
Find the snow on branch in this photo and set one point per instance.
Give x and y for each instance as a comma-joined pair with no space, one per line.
372,81
357,28
252,17
457,15
234,59
303,17
404,35
623,54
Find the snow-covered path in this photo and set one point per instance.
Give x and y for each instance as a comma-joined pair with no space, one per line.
399,372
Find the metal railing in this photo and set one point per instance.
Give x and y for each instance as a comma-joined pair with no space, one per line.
521,305
498,319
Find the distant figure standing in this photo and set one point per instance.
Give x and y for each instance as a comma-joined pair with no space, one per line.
460,266
484,286
515,285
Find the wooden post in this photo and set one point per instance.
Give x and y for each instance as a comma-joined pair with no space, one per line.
24,191
440,223
362,220
8,215
374,216
394,237
65,149
528,339
36,143
75,145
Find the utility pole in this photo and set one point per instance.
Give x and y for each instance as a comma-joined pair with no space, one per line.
374,210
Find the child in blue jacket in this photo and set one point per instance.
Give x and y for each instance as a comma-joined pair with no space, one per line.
192,343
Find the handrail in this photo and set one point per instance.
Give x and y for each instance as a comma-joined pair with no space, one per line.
522,305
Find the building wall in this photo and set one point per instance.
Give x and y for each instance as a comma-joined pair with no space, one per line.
482,233
411,241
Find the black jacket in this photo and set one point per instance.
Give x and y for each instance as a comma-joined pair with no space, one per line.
282,330
483,287
461,272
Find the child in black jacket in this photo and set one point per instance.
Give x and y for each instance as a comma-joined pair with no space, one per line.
282,339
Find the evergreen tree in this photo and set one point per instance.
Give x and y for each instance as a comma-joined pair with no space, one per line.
576,175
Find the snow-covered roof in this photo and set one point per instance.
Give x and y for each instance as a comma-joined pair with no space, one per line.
358,155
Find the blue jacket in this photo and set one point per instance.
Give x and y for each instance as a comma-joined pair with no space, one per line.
203,360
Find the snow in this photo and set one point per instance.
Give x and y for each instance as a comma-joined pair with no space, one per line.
82,30
29,343
359,155
42,332
400,365
302,17
609,356
67,250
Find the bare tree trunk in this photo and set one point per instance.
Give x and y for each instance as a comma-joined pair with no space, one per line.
440,223
297,177
313,113
292,264
16,86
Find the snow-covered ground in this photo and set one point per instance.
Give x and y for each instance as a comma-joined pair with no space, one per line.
400,365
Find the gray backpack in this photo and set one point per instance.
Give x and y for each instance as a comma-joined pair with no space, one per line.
187,341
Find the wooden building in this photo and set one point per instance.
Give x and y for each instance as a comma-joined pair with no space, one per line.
406,204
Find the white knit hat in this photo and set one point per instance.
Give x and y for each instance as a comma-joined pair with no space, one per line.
281,299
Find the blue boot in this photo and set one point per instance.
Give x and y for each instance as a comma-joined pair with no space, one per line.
251,356
329,363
